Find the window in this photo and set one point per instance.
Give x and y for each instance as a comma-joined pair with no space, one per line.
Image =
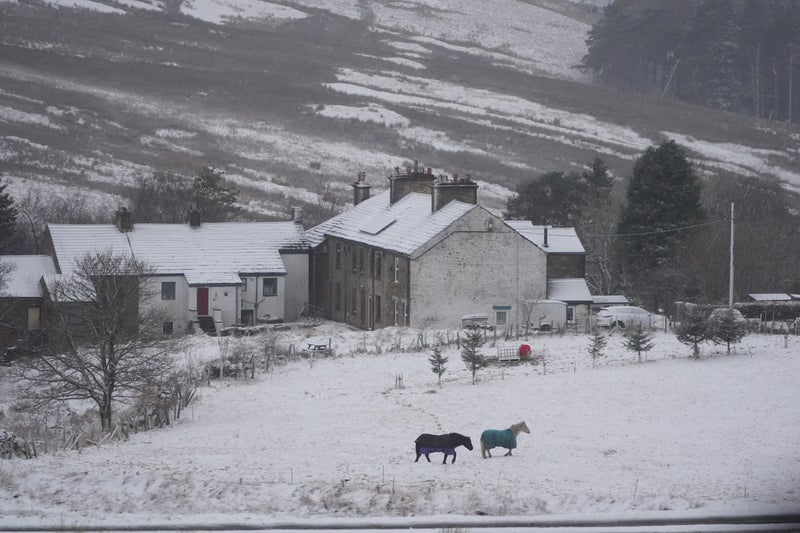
353,301
337,297
338,259
166,328
244,284
395,310
570,314
167,290
354,260
361,260
34,317
501,317
270,287
396,269
378,265
376,304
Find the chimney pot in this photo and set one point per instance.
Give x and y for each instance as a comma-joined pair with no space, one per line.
545,237
123,219
297,215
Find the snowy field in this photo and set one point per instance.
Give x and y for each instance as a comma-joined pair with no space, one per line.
334,437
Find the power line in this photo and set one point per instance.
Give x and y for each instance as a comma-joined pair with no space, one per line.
672,230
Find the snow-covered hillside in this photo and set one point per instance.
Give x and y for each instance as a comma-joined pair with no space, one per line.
335,437
294,99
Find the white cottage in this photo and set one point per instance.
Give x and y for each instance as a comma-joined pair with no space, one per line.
211,274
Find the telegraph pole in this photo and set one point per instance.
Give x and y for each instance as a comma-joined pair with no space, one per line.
730,281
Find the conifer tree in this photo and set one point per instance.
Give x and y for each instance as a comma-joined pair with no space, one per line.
215,202
597,344
693,329
638,340
471,354
438,362
663,203
8,219
727,329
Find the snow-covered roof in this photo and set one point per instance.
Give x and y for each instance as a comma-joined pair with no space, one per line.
568,290
608,299
214,253
770,297
559,240
401,227
23,279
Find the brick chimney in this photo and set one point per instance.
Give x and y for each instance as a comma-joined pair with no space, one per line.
123,220
415,179
194,215
444,190
361,188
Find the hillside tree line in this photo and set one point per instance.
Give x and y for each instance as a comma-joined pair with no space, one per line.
662,234
736,55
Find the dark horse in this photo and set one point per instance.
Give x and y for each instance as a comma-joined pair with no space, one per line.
446,444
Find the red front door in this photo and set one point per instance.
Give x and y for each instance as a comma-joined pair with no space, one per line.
202,301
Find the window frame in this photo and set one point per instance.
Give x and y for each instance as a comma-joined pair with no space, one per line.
165,294
273,282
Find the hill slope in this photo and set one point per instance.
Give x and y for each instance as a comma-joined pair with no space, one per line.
293,100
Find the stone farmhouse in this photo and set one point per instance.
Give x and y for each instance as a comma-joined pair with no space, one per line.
424,254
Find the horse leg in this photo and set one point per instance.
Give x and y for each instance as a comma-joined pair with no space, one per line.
507,453
428,457
483,449
418,455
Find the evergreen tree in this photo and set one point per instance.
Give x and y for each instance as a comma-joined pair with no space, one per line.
438,362
727,329
561,199
638,340
737,55
663,197
471,354
693,329
215,202
553,198
8,219
597,344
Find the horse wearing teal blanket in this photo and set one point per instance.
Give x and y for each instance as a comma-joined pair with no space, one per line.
503,438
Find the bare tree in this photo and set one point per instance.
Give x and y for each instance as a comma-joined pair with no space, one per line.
527,303
103,344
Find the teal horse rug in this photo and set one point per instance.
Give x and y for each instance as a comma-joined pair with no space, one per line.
502,438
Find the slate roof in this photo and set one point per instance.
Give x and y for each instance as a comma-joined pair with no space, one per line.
559,240
213,254
609,299
568,290
28,270
770,297
402,227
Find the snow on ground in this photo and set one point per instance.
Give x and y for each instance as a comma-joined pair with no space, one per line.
740,159
223,11
335,438
543,39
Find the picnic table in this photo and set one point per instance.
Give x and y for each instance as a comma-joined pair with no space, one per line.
316,349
